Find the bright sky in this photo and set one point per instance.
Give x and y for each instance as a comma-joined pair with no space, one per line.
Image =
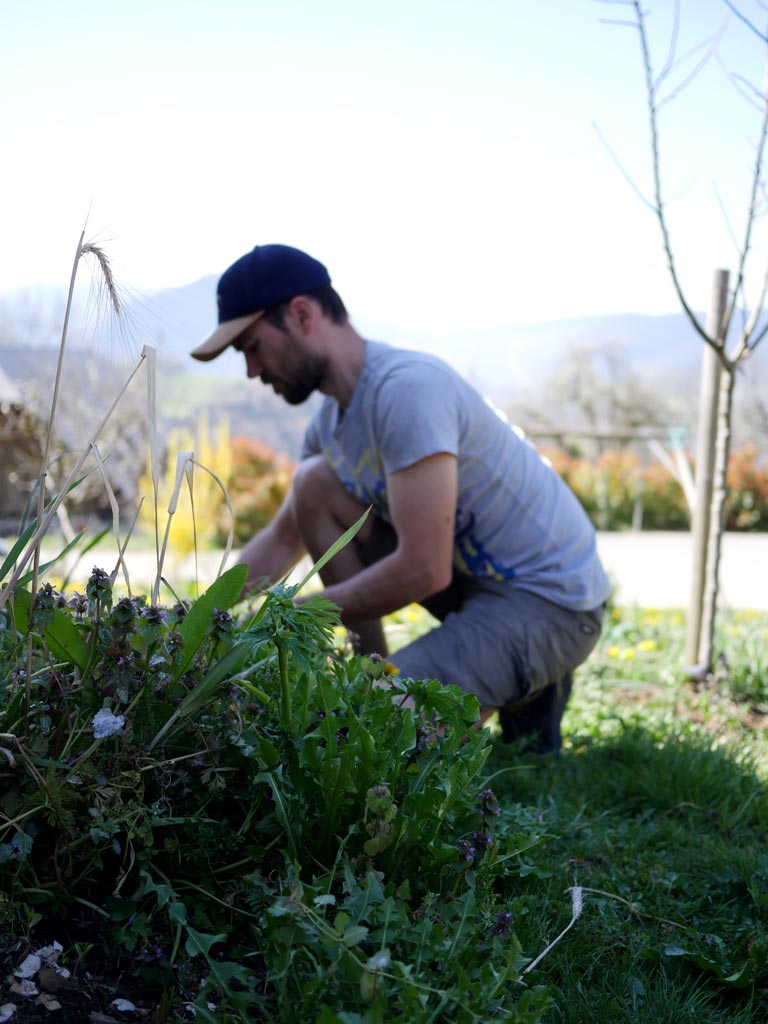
440,156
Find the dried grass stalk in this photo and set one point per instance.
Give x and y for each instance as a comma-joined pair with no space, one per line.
231,535
183,470
115,513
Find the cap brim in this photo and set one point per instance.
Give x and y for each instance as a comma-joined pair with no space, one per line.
223,337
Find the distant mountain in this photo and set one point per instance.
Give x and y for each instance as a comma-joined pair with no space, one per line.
502,361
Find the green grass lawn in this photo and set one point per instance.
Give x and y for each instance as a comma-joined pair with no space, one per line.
658,809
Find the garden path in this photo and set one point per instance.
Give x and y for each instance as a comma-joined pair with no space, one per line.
653,569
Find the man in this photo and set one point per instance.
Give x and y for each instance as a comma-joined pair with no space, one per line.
469,521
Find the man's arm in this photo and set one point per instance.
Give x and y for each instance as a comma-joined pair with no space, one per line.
275,550
422,503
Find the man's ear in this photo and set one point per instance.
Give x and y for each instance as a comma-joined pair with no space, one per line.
304,313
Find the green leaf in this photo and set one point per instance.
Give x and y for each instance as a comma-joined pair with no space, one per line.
17,549
222,595
334,549
354,935
64,639
268,752
177,913
281,806
200,943
206,689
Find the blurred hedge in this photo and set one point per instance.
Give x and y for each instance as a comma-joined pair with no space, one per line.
607,487
610,486
258,483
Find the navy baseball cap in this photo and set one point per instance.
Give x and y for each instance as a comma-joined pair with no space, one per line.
263,278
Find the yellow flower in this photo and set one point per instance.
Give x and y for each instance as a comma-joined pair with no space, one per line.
613,651
391,670
647,645
626,654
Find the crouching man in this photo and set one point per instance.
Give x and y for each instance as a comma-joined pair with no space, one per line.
468,520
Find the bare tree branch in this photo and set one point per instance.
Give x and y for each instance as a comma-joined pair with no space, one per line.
746,20
659,205
712,44
726,218
622,170
749,338
617,21
670,61
742,85
751,217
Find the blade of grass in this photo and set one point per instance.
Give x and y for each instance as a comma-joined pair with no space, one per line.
88,546
27,577
334,549
115,512
231,535
154,454
205,689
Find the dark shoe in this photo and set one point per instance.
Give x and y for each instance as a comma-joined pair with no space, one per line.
539,718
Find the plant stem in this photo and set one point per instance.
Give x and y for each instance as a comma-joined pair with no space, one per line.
285,686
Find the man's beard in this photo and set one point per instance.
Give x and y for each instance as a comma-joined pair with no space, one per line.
300,374
300,387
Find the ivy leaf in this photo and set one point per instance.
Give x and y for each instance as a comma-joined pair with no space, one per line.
200,943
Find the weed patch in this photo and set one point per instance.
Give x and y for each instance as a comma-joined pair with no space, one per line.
230,820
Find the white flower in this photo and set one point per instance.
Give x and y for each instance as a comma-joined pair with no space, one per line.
107,724
378,962
123,1005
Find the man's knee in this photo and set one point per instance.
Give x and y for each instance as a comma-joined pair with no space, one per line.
314,484
318,492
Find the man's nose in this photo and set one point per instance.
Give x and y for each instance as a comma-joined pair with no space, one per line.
252,364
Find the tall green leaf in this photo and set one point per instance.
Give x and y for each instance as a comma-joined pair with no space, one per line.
206,689
222,595
62,636
334,549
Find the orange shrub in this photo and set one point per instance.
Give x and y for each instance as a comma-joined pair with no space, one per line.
747,504
608,488
664,504
258,483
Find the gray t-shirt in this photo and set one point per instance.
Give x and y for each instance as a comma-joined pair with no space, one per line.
516,520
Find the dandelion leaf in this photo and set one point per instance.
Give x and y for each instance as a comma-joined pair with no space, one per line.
222,595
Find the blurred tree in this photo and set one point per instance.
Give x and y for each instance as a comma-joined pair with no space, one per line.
80,410
259,482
